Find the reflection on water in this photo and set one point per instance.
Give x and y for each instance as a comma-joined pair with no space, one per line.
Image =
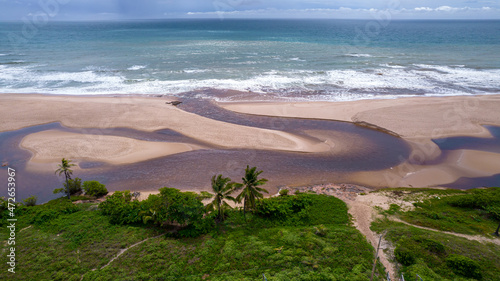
193,170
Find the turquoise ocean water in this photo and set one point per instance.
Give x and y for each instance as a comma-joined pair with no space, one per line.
285,59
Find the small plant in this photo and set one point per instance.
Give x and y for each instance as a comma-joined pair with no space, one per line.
136,195
464,266
284,192
393,209
30,201
404,255
94,188
320,230
73,186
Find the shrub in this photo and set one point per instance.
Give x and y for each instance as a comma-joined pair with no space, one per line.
179,207
477,199
30,201
74,185
120,208
284,192
393,208
320,230
464,266
94,188
52,210
171,206
404,255
494,211
433,246
283,207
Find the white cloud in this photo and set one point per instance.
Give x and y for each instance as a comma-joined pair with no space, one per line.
351,13
447,9
425,9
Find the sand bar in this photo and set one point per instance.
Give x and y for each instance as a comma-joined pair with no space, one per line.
411,118
146,114
53,145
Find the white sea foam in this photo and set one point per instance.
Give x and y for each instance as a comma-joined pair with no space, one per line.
195,70
346,84
136,67
359,55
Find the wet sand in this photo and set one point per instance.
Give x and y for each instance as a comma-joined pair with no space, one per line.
142,143
418,121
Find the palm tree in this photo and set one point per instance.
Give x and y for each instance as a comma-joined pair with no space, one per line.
251,191
222,187
64,167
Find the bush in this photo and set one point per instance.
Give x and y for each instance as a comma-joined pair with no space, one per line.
283,207
284,192
52,210
30,201
464,266
320,230
433,246
404,255
179,207
94,188
477,199
75,186
120,208
393,209
171,206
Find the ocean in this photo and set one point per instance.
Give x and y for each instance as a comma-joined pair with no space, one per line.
328,60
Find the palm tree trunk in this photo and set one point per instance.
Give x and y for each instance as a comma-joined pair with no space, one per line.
244,210
67,186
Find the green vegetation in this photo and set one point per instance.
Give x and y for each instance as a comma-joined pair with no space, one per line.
283,192
301,237
438,256
30,201
65,168
94,188
66,241
251,190
469,212
222,187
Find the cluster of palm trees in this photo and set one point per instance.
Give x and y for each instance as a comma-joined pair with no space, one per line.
223,188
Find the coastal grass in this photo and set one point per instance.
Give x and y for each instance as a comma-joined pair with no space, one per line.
67,241
428,253
467,212
62,241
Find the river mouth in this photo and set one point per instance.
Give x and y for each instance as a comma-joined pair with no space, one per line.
368,150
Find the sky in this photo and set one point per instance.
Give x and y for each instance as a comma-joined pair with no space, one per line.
43,10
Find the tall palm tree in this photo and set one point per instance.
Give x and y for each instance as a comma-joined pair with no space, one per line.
222,187
251,190
64,168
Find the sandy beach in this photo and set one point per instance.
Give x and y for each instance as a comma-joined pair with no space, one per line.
415,120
